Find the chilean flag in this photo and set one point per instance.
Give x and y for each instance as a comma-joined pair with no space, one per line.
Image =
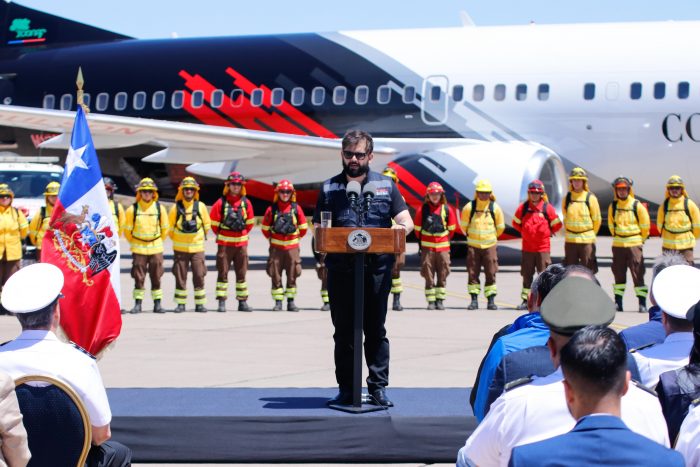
83,242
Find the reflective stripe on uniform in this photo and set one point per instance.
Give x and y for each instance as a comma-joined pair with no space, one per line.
278,294
396,286
180,296
241,290
524,293
473,289
324,295
139,294
291,292
490,290
157,294
440,293
641,291
430,295
221,289
619,289
200,297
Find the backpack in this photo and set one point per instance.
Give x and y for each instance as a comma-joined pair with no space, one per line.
133,222
473,211
235,218
432,223
687,213
284,224
191,225
568,201
526,209
634,210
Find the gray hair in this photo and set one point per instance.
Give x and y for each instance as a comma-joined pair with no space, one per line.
667,259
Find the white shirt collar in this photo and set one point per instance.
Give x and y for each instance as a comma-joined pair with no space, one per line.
679,337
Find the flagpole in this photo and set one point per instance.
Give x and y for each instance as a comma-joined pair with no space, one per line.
79,81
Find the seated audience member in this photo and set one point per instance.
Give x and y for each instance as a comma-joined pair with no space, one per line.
688,443
677,389
675,290
594,365
535,409
37,351
651,332
530,331
13,437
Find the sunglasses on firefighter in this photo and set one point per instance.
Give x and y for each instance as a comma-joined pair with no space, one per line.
285,192
350,154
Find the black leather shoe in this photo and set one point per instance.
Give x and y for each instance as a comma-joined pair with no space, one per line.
342,398
379,398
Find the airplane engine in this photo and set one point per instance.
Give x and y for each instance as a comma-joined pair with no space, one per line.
509,166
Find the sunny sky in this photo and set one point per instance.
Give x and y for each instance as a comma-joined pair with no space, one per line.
161,18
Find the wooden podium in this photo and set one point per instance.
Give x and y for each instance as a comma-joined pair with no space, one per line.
359,241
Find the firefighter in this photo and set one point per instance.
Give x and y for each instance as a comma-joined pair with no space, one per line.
145,228
396,284
115,207
322,273
40,221
482,221
536,220
190,222
14,228
678,220
628,221
284,224
232,219
435,223
581,221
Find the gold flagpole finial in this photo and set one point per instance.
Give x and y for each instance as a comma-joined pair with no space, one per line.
79,81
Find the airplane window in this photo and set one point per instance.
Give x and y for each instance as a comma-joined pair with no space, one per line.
435,93
256,97
499,92
197,99
177,100
237,98
457,92
139,101
298,97
683,90
479,92
318,95
588,91
383,94
361,95
277,97
521,92
49,101
102,101
543,92
409,94
158,100
659,90
635,91
340,95
120,101
86,99
66,102
217,98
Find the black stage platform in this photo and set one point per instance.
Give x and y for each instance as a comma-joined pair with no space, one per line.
268,425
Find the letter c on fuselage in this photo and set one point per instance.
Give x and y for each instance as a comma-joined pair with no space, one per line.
689,128
676,130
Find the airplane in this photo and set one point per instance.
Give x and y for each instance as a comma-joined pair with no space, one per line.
453,105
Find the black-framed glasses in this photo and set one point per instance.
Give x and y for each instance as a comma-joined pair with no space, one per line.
285,192
350,154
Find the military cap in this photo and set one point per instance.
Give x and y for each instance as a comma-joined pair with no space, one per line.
32,288
575,303
676,290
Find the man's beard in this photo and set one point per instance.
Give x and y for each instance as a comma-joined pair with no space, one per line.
357,171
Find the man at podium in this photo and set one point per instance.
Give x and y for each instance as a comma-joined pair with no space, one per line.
381,202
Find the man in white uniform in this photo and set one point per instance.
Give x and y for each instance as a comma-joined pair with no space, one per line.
688,442
526,413
37,351
675,291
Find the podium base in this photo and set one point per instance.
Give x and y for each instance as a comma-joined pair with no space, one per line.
364,408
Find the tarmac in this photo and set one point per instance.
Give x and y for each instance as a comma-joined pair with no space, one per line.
286,349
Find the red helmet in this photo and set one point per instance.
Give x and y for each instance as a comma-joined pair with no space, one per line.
235,177
535,186
435,187
284,185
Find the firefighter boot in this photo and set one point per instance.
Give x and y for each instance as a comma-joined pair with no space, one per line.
475,303
157,308
179,308
618,302
431,306
522,306
291,306
491,305
222,306
243,306
278,305
439,305
200,309
642,305
326,307
397,303
136,308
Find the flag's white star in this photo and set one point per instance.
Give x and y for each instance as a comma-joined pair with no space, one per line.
75,159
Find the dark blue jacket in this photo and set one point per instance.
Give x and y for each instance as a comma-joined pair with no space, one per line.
651,332
595,441
677,389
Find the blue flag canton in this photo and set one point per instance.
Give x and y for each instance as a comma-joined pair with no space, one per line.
86,172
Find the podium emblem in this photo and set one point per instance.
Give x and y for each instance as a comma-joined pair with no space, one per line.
359,240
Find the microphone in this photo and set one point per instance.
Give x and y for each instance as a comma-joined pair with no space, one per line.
353,192
368,194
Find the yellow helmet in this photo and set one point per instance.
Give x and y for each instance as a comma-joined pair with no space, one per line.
577,173
6,190
484,186
391,173
52,189
675,180
187,182
146,184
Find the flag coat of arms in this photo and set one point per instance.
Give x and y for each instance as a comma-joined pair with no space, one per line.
83,242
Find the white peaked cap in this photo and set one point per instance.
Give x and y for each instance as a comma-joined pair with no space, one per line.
676,290
32,288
